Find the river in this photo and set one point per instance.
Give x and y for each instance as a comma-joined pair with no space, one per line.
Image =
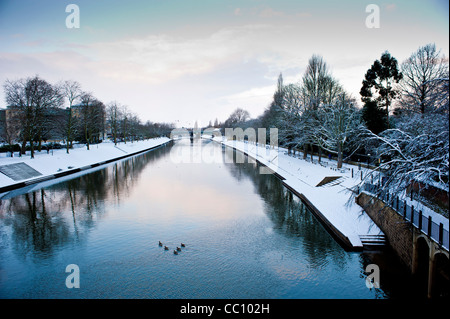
245,235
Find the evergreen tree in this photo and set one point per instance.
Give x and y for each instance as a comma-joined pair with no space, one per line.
374,117
378,85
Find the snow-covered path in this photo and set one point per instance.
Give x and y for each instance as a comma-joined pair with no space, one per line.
331,199
58,161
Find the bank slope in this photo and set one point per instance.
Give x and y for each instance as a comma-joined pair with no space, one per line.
343,217
58,163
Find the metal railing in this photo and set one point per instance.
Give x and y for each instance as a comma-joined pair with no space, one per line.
415,217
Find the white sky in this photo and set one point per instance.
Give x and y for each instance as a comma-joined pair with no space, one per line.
186,61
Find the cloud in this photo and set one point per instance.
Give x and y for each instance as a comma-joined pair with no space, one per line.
162,58
270,13
253,100
174,74
303,14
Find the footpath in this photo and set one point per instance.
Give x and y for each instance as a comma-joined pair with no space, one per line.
17,172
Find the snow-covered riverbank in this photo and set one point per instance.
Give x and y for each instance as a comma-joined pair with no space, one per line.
331,199
47,165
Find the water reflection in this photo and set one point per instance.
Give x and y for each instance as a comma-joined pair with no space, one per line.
37,220
36,226
289,214
249,237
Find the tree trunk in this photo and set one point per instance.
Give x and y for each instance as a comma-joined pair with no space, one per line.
40,143
387,106
125,131
339,163
32,148
86,137
69,131
305,150
23,150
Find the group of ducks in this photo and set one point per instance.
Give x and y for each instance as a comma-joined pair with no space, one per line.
175,251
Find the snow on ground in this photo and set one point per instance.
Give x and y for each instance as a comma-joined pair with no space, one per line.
59,161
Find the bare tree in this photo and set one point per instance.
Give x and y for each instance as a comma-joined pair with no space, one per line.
270,117
125,122
30,101
9,129
238,116
319,88
134,126
72,92
318,85
290,109
92,117
424,75
338,123
113,115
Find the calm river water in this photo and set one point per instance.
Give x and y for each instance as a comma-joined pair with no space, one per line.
246,235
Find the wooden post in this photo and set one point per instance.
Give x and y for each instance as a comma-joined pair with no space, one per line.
441,233
352,172
412,214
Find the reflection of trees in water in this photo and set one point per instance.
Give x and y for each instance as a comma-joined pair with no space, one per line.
36,225
289,214
51,217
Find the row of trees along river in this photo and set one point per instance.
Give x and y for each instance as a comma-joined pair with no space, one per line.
402,128
38,111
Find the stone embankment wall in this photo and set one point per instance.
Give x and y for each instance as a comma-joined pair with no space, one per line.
398,232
